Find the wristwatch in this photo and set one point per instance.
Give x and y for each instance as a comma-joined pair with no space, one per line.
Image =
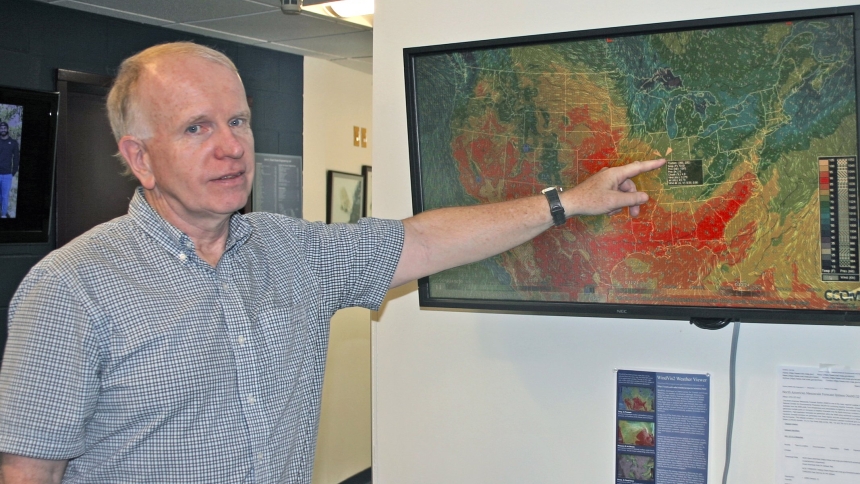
556,209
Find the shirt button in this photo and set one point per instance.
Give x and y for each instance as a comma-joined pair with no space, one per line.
251,400
188,245
259,457
241,339
225,287
182,256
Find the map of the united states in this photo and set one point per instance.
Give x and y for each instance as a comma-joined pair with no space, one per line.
744,115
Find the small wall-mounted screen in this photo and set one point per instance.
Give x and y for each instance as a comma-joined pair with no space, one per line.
28,130
11,116
755,215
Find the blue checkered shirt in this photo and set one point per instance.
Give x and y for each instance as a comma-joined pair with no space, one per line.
139,362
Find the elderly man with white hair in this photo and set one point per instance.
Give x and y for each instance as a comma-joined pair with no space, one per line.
185,342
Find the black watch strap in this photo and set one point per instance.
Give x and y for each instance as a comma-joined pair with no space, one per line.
556,209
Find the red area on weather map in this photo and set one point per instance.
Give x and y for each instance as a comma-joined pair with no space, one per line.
492,167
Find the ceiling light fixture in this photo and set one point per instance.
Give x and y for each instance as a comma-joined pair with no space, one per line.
350,8
358,12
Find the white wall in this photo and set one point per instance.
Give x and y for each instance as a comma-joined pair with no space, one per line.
471,397
337,98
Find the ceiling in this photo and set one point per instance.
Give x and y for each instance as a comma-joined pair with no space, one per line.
254,22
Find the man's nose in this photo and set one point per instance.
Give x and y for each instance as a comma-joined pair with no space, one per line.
229,145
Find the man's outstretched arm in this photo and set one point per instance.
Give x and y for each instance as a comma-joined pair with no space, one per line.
449,237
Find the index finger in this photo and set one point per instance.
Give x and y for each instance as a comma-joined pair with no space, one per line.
638,167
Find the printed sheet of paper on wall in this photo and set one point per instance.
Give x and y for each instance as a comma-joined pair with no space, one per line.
819,421
662,422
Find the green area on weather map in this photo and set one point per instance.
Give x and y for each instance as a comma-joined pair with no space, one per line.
742,113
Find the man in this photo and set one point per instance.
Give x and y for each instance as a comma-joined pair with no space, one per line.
184,342
9,159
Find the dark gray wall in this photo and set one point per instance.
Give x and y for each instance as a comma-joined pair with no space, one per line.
37,39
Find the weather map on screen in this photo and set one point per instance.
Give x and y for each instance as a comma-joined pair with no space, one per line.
755,208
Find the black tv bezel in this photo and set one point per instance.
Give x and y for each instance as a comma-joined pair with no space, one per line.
710,317
38,147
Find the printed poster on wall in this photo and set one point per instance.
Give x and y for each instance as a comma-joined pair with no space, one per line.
661,425
278,184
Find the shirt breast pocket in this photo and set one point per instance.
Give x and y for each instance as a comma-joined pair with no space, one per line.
290,339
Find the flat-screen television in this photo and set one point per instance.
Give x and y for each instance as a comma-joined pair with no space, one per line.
28,133
753,218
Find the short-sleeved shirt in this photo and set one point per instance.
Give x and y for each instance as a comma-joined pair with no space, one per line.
139,362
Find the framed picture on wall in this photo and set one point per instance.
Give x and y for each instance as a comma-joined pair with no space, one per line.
367,173
344,197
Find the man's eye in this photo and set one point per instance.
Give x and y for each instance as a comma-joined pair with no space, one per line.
238,122
193,129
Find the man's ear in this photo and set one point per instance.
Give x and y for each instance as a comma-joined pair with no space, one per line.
133,150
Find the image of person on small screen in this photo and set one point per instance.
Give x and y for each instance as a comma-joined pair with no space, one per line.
10,157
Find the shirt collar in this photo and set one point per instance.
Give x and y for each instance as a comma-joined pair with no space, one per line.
173,239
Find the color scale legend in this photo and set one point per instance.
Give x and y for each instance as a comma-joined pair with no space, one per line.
837,192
